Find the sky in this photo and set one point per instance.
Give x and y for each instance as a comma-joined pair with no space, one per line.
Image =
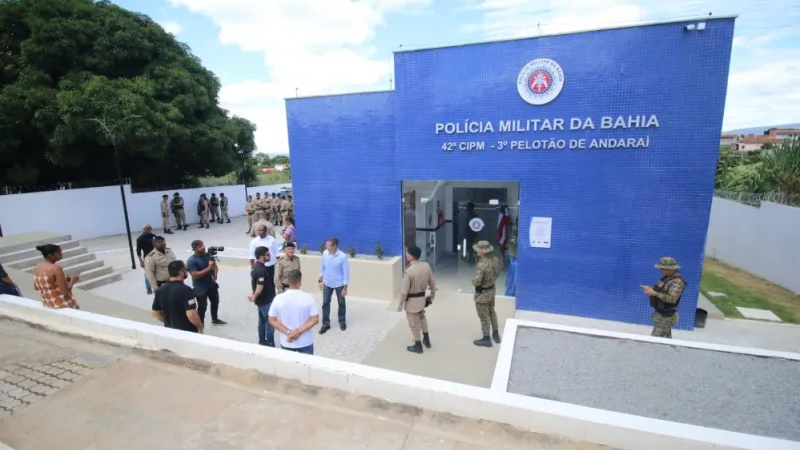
264,51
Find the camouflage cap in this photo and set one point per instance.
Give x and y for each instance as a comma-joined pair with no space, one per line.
667,262
483,247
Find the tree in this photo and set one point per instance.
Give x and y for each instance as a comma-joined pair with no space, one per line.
782,168
262,159
280,159
67,61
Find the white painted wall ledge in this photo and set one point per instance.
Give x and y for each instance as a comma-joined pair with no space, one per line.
575,422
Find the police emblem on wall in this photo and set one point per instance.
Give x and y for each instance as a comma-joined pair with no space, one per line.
540,81
476,224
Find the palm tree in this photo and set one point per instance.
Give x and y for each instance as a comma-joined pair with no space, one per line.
782,168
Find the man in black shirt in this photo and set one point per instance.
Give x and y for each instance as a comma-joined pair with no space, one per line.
174,303
144,245
263,284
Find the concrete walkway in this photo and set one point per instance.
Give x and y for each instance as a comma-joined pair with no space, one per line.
453,325
74,394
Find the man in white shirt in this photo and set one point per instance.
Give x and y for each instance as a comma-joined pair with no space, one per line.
263,239
294,313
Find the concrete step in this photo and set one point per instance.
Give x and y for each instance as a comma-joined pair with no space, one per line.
82,267
33,253
68,262
74,261
103,280
30,262
33,243
91,274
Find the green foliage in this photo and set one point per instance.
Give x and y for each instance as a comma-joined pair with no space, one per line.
304,250
782,167
258,179
379,250
773,169
68,61
745,178
351,251
279,159
322,247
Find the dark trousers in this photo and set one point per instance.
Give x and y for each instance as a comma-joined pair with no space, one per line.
266,334
308,350
211,295
327,293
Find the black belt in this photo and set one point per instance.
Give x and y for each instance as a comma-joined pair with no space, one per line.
667,312
416,295
479,289
160,283
285,286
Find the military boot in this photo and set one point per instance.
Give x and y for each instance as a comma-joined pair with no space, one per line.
496,336
483,342
416,348
207,226
426,339
185,227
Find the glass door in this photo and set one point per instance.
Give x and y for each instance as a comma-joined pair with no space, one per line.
476,222
419,215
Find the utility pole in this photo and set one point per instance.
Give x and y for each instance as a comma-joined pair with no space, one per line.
110,133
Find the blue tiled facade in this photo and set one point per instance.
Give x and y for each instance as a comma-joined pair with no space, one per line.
615,211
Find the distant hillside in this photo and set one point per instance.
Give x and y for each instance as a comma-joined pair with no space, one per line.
760,130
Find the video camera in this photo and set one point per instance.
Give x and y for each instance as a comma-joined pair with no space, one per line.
212,252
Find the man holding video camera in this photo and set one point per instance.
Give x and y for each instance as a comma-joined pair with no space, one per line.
203,269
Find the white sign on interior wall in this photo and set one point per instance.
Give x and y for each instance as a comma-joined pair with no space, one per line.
541,231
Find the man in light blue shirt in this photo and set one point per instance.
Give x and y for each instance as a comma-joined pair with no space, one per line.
334,275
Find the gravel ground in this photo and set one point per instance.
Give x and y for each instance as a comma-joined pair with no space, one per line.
733,392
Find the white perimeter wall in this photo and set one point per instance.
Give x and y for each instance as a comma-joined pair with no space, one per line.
763,241
94,212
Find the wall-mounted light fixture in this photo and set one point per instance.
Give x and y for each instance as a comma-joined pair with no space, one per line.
695,26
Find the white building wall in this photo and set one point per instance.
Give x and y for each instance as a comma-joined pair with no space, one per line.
94,212
763,241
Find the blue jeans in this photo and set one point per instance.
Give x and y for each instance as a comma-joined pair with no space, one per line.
266,334
309,350
327,293
147,284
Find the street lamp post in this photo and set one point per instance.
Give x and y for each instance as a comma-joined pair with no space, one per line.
111,136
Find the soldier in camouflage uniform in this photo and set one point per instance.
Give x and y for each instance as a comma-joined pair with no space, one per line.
176,205
488,269
275,205
203,211
213,202
258,203
223,208
250,210
665,297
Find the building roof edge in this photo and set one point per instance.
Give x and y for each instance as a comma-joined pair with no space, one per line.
588,30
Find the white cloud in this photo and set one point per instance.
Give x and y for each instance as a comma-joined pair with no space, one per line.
310,47
171,27
764,86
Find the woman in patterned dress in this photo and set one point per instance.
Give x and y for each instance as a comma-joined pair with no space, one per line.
53,284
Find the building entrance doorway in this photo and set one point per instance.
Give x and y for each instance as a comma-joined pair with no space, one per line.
445,218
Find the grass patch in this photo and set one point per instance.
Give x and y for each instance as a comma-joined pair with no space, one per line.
748,291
